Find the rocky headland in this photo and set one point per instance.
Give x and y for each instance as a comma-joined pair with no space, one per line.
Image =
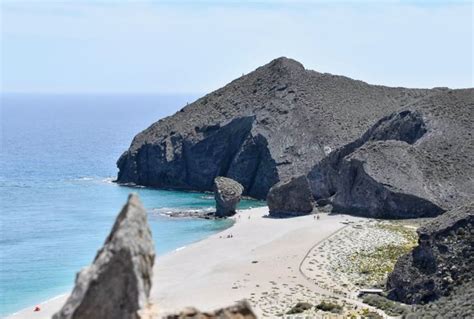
365,149
266,126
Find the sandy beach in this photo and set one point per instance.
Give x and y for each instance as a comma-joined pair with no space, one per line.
273,263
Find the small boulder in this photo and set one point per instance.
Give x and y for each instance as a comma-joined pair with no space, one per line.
117,284
228,194
241,310
290,198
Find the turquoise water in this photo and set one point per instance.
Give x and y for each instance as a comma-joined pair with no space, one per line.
58,203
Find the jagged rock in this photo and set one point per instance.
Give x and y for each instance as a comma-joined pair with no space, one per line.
413,163
269,125
241,310
442,262
290,198
118,282
227,193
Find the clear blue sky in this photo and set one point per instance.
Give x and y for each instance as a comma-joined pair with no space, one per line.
198,46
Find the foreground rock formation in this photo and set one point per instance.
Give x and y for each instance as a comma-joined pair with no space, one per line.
241,310
227,193
442,262
118,282
269,125
412,163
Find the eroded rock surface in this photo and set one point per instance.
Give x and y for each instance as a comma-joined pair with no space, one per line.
269,125
118,282
290,198
241,310
413,163
442,262
227,193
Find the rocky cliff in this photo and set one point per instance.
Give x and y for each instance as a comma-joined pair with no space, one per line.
442,263
273,123
415,162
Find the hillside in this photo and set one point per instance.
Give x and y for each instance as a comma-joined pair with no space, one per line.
275,122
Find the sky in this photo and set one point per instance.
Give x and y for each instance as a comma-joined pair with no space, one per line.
198,46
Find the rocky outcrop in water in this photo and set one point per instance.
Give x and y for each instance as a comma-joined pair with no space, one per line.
290,198
412,163
269,125
442,263
241,310
227,193
118,282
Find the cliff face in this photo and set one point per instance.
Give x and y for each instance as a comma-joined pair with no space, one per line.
413,163
441,264
274,123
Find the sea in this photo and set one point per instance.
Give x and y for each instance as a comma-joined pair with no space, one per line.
58,200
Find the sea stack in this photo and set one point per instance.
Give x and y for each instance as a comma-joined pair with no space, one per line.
117,284
227,193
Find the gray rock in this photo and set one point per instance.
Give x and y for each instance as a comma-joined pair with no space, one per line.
442,262
290,198
118,282
227,193
241,310
413,163
269,125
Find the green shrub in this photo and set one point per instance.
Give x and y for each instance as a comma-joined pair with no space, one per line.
299,308
329,306
390,307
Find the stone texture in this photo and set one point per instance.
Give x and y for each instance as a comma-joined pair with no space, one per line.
269,125
442,262
290,198
416,162
241,310
227,193
118,282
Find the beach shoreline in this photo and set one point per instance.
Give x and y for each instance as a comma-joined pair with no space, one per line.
271,262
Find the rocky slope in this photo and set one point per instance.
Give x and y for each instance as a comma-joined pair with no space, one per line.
117,284
273,123
441,264
415,162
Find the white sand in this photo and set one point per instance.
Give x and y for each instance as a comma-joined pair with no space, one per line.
218,271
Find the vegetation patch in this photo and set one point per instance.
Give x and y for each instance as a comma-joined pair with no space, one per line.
376,264
390,307
299,308
329,307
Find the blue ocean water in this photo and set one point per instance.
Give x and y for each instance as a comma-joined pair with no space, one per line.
57,201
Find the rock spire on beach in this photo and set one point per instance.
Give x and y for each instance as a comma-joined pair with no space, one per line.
269,125
227,193
117,284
